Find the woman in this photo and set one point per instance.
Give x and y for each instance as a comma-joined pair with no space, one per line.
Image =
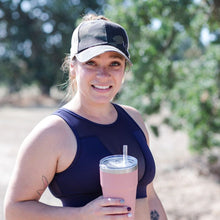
63,151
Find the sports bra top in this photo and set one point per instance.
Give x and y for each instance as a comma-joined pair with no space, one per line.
79,183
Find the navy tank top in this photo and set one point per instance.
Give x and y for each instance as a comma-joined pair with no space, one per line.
79,183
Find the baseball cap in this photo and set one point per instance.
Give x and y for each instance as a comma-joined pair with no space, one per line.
94,37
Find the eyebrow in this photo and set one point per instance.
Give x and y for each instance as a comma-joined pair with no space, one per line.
117,56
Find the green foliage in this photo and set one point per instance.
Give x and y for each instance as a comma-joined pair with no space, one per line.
35,36
171,66
195,99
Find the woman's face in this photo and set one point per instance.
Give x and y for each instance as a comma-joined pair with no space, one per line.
99,79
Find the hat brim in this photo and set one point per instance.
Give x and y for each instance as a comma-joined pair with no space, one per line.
91,52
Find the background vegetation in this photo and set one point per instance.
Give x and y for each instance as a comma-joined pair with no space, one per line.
174,47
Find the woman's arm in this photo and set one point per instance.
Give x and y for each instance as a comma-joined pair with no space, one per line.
37,162
49,148
155,207
157,211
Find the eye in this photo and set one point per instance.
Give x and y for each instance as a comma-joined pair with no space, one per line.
115,63
90,63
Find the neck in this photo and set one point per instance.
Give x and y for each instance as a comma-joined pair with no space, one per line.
103,113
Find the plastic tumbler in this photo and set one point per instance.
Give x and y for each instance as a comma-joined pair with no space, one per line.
119,178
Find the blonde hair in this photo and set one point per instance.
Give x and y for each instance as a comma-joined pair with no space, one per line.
90,17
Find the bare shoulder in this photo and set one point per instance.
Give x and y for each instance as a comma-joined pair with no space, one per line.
50,144
52,131
49,148
136,115
133,112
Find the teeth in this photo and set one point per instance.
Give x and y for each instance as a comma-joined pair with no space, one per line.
101,87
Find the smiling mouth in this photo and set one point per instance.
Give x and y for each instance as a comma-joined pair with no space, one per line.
101,87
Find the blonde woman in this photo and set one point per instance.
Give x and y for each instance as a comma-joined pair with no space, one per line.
63,151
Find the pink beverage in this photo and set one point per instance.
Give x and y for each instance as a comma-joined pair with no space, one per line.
119,178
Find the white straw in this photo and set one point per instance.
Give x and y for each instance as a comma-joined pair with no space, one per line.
125,153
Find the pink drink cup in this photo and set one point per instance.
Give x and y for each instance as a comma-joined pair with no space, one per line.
120,182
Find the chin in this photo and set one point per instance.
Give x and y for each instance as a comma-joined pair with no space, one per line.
103,100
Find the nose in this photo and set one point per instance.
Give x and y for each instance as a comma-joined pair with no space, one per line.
102,72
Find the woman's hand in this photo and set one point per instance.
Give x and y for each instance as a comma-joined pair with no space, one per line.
106,208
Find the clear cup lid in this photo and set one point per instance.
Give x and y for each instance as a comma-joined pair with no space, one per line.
117,164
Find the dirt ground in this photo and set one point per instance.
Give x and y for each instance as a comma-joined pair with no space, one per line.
185,194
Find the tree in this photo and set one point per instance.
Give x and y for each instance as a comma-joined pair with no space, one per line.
35,36
171,65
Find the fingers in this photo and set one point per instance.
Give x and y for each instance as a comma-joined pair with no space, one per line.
115,210
107,208
115,206
112,202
